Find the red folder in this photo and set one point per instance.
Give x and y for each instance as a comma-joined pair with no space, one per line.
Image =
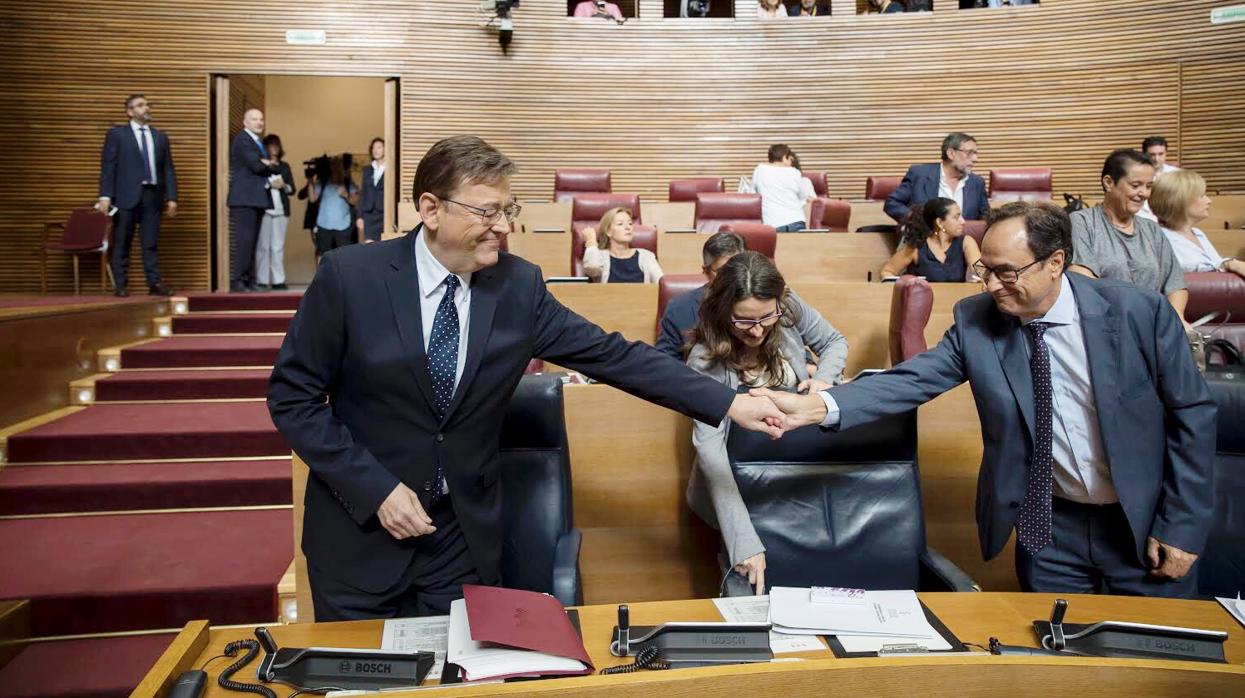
522,619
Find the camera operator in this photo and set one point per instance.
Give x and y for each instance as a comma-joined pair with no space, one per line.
335,194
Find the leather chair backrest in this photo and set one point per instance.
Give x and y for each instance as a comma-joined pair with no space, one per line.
758,237
569,181
879,188
713,209
686,189
86,229
535,483
912,299
1222,565
834,215
1020,184
819,183
976,229
835,508
1211,291
671,286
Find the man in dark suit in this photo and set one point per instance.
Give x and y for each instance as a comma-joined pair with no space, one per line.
1099,432
249,169
136,175
952,178
372,196
393,381
683,310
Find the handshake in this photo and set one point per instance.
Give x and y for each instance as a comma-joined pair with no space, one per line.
776,413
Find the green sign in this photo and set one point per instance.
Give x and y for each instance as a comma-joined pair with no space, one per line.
1223,15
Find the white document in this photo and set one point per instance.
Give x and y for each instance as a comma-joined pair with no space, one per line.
410,634
884,613
873,643
755,609
484,661
1234,607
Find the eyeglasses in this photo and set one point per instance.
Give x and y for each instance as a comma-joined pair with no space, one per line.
1006,276
490,216
747,324
969,153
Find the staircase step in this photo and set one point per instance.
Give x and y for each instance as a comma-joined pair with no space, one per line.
277,300
203,352
185,384
224,323
123,432
52,489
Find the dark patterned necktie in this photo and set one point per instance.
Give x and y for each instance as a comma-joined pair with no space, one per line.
443,362
1033,525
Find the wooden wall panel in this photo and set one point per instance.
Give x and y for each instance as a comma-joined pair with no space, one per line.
1059,85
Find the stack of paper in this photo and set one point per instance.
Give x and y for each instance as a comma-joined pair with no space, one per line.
503,633
863,621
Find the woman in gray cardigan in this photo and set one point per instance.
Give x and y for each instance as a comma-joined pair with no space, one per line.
752,332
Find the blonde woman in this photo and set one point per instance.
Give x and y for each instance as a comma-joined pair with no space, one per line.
609,257
770,9
1180,202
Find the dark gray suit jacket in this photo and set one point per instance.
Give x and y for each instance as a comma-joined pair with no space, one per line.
121,170
1155,412
920,184
248,177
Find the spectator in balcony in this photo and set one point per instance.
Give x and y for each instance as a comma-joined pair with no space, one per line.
598,8
783,189
609,257
932,244
1110,241
952,178
751,333
1180,202
770,9
809,8
883,7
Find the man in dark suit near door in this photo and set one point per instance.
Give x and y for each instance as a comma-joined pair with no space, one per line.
1099,432
249,170
136,175
952,177
394,378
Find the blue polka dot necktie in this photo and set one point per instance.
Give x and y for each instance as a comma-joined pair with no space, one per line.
443,362
1033,525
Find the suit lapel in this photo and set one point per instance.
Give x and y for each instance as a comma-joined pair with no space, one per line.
484,292
1009,342
403,285
1101,326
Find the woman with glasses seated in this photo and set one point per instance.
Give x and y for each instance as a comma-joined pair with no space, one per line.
609,257
752,333
1180,202
932,243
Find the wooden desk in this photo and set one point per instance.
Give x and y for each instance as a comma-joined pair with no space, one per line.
972,617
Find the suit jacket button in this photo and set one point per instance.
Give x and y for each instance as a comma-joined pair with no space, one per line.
440,438
427,485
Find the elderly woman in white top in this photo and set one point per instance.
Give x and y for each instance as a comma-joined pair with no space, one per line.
783,189
1180,202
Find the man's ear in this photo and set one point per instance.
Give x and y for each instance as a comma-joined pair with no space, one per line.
1058,260
430,210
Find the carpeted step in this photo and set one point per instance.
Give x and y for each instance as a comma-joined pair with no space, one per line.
185,384
98,667
225,323
202,352
53,489
215,302
121,432
109,573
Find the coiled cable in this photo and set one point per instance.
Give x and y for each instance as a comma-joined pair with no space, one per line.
648,658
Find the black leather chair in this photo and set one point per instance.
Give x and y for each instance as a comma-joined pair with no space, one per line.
1222,566
840,509
541,547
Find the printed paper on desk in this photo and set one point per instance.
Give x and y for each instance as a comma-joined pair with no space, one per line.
894,613
524,619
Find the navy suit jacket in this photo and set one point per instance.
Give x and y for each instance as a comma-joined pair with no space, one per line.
248,177
371,198
121,170
920,184
681,315
351,394
1155,412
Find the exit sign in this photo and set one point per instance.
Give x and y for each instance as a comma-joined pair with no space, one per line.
305,37
1223,15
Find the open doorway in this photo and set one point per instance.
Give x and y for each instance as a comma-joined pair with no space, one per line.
313,115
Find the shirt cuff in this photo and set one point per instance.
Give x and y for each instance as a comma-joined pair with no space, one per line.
832,409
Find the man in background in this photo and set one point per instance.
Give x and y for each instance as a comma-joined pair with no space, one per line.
249,170
952,178
136,175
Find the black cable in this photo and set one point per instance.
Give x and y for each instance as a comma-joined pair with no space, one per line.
648,658
225,679
205,664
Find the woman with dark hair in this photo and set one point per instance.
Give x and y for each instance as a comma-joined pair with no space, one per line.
1110,241
752,333
270,247
932,243
372,194
336,195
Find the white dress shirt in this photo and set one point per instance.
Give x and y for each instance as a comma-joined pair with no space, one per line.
944,187
1145,211
378,171
432,289
1081,471
139,135
1200,257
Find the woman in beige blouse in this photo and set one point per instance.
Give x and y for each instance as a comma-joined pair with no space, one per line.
609,257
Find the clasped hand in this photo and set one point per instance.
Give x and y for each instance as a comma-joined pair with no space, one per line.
403,516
